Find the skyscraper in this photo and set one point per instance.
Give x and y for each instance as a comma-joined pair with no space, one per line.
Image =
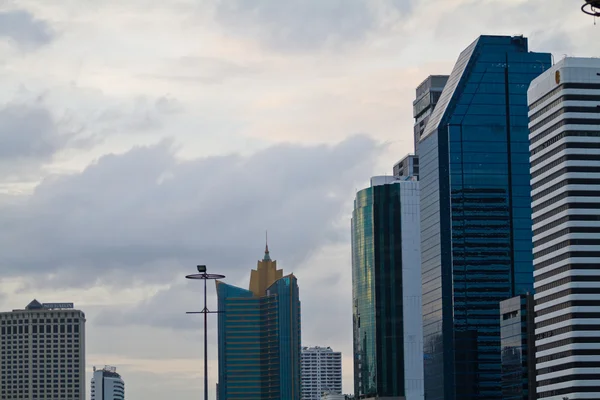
386,291
107,384
565,178
43,352
259,336
475,214
321,372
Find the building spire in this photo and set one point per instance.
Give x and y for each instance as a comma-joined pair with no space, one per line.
267,257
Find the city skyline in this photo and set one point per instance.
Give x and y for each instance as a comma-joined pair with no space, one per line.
95,206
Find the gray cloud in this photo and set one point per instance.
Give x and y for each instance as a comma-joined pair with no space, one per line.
28,132
146,216
24,29
306,25
30,137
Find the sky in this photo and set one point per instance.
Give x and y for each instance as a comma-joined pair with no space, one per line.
140,138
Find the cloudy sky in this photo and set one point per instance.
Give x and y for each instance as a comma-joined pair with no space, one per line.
139,138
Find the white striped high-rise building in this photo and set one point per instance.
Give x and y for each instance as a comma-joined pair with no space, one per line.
321,370
564,104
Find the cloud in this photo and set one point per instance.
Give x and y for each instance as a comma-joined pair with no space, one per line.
204,70
29,138
146,216
307,25
23,29
28,132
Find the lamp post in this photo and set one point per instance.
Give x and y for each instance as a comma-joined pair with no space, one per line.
591,7
203,275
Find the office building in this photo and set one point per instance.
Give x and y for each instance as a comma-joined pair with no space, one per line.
517,343
321,370
386,290
427,95
259,336
565,178
107,384
475,214
43,352
407,167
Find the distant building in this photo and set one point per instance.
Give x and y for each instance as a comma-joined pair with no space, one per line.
517,344
331,396
386,291
43,352
564,125
407,167
259,336
321,372
427,95
107,384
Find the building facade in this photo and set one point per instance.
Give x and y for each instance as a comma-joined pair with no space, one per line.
321,369
386,290
332,396
517,343
407,167
427,95
475,214
565,178
259,336
43,352
107,384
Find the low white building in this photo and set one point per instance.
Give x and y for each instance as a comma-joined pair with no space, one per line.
107,384
321,369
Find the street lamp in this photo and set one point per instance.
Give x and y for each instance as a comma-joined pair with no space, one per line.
591,7
203,275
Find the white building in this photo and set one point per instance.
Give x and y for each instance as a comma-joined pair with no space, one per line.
321,371
565,177
107,384
43,352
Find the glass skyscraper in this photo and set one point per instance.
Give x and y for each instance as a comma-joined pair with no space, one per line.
476,234
386,290
259,336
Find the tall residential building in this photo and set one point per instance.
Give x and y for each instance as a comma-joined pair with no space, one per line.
565,177
259,336
427,95
107,384
407,167
43,352
321,372
517,343
386,291
475,214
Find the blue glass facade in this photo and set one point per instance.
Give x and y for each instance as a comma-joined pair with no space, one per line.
476,243
259,342
377,293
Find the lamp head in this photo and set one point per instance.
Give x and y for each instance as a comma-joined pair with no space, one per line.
202,268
